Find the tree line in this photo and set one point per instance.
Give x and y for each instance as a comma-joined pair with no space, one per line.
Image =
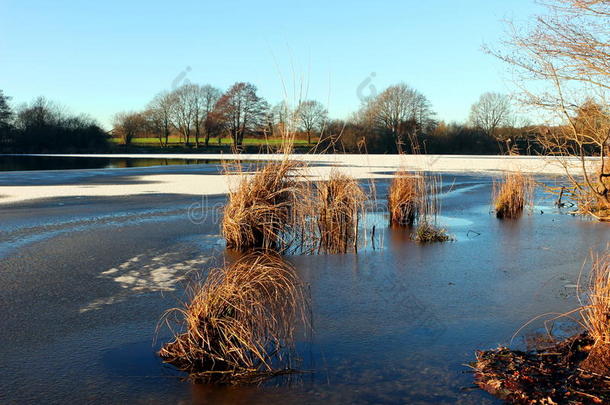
401,119
44,126
197,113
398,119
393,121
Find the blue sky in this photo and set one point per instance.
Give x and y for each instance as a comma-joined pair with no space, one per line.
103,57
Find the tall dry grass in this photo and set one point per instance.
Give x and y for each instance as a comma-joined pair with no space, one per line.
595,310
593,313
240,322
340,208
404,198
512,195
261,210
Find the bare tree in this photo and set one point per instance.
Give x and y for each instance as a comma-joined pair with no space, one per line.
563,62
312,116
209,97
183,113
282,118
491,112
242,110
399,109
160,110
129,125
6,114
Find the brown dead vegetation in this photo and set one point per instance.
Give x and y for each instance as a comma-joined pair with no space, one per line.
597,202
576,370
512,195
239,323
340,208
404,198
260,211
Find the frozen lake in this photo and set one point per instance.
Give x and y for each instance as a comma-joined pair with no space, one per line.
84,278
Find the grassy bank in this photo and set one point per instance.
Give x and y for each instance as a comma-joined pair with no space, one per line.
176,141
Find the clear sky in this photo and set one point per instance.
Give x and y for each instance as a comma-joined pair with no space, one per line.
101,57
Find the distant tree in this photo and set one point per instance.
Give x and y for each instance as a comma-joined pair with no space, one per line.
45,126
456,138
160,111
241,111
39,114
400,110
129,125
216,126
209,97
196,99
6,115
38,124
185,111
590,120
188,110
491,112
283,119
312,116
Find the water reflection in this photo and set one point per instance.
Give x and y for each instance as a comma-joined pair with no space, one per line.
24,163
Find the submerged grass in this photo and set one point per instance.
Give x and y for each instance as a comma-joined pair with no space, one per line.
339,209
239,323
427,233
428,207
512,195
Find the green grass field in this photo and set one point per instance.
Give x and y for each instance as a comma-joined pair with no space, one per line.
175,141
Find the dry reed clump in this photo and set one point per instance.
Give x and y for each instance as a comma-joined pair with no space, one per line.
404,198
340,206
240,322
512,195
259,213
596,314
